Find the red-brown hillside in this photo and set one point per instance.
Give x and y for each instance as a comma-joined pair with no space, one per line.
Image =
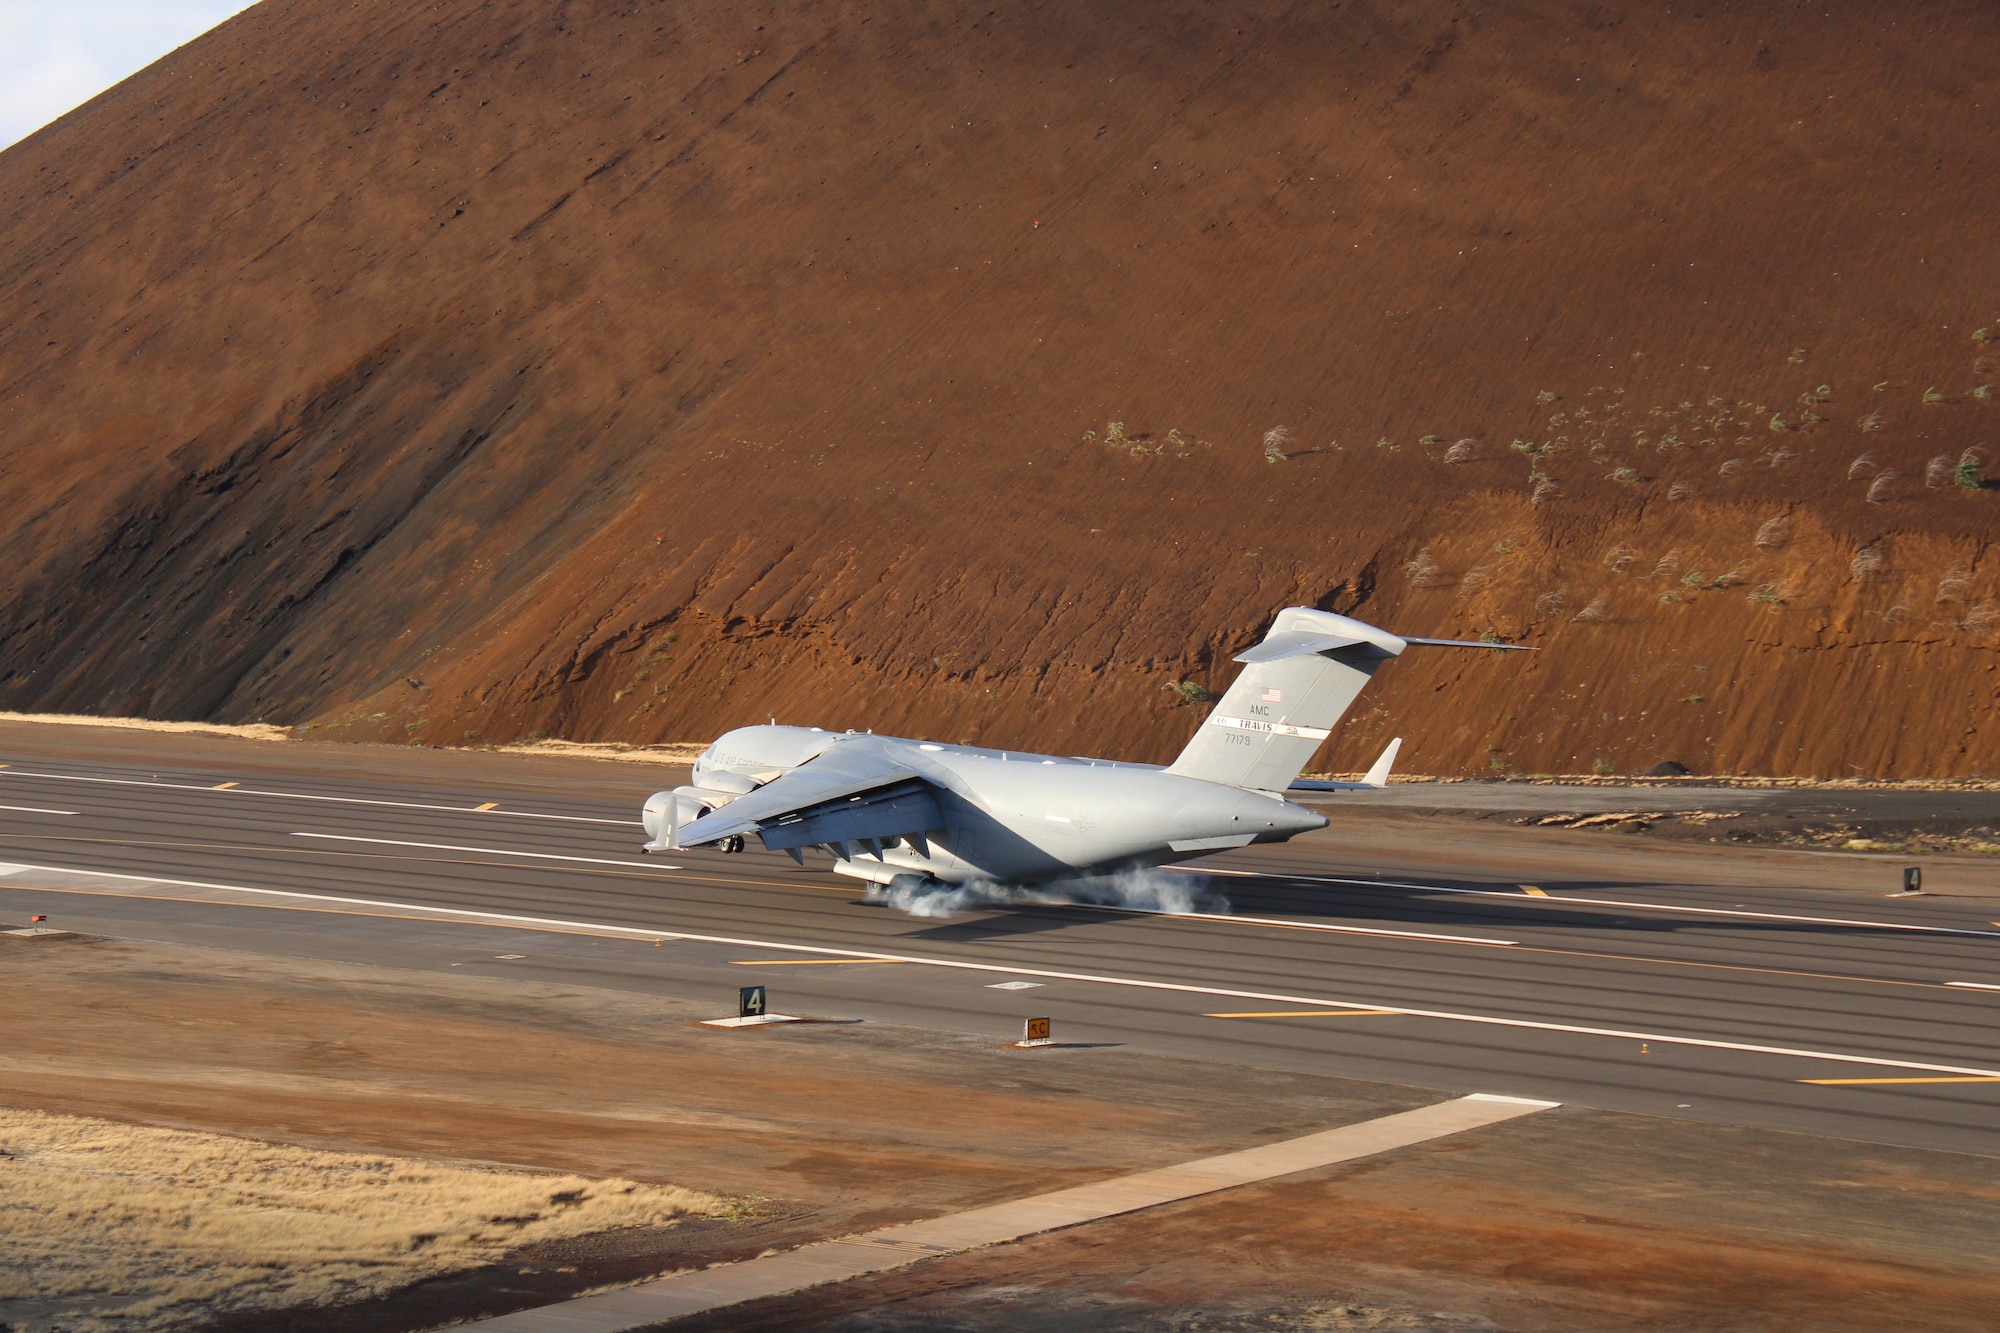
626,370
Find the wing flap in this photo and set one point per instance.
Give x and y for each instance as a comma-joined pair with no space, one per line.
905,809
852,787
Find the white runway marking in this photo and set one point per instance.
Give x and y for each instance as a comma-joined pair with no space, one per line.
1137,983
1133,911
489,851
1553,901
36,810
1973,985
235,790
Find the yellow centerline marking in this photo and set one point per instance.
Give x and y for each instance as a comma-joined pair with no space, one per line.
490,805
1854,1082
222,786
809,962
1308,1013
1534,892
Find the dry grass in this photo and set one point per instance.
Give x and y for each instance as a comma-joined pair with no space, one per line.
673,752
256,731
110,1226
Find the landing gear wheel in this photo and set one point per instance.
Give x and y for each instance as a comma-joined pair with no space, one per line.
731,844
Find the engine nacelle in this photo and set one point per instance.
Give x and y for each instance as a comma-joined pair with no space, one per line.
684,810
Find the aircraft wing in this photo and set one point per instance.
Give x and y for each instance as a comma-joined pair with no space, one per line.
852,793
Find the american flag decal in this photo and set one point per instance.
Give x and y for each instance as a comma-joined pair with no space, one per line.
1274,696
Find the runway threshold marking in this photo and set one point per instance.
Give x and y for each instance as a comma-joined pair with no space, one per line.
421,911
304,796
1554,901
1101,907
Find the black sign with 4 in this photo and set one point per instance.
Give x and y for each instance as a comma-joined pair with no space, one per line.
750,1002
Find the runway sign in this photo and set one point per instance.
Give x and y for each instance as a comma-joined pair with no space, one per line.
750,1002
1035,1032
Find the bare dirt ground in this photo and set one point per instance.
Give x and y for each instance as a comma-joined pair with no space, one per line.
489,368
118,1228
1577,1220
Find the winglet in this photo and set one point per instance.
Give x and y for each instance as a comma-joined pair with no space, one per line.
1378,776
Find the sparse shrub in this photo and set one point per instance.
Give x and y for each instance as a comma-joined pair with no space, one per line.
1421,569
1549,603
1275,440
1878,489
1681,490
1618,558
1188,692
1984,366
1955,586
1545,396
1860,465
1867,562
1460,452
1979,620
1983,392
1114,433
1732,466
1870,423
1594,612
1734,578
1473,580
1669,565
1694,698
1776,457
1545,490
1970,474
1938,471
1932,398
1772,534
1767,595
1602,767
1778,422
1626,476
1982,335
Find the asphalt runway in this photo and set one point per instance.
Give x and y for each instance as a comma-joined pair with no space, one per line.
1781,1008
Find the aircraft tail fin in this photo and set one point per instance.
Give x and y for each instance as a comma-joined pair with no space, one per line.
1378,776
1294,687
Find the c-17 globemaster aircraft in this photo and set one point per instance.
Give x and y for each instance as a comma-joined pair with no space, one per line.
886,808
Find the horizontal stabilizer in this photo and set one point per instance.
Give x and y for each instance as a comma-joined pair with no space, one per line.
1473,643
1296,644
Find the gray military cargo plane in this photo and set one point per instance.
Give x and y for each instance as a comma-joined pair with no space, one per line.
888,809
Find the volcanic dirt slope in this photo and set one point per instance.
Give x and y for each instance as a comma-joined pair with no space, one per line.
625,371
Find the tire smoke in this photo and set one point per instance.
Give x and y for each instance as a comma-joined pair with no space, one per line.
1147,890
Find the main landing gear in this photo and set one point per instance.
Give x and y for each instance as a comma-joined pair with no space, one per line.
731,844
